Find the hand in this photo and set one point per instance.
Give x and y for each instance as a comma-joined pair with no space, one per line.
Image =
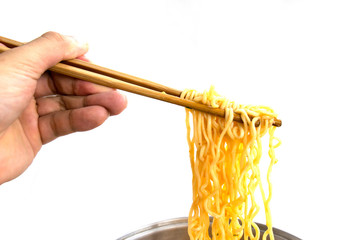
37,106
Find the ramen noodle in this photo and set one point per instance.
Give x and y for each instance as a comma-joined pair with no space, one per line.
225,157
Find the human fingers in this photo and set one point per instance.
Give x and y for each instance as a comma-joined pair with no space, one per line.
20,68
112,101
53,83
62,123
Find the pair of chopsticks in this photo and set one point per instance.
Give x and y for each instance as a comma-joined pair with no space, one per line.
103,76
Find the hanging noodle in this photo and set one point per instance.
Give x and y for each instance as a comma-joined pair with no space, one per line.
225,157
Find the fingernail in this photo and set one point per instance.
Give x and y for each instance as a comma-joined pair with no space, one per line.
80,42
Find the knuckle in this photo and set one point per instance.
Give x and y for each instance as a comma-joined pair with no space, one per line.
54,36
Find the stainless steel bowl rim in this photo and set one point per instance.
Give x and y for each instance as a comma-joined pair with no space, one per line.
176,223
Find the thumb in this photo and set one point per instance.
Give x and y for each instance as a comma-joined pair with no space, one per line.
44,52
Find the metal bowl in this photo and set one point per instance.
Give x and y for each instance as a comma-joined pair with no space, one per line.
176,229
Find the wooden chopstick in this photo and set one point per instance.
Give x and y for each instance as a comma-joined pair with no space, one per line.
103,76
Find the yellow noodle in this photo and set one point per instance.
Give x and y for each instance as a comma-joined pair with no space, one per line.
225,157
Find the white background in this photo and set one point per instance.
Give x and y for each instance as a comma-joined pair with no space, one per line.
300,57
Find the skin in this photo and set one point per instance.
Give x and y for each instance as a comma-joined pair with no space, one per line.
37,106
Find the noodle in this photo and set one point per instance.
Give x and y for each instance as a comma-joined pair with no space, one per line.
225,157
